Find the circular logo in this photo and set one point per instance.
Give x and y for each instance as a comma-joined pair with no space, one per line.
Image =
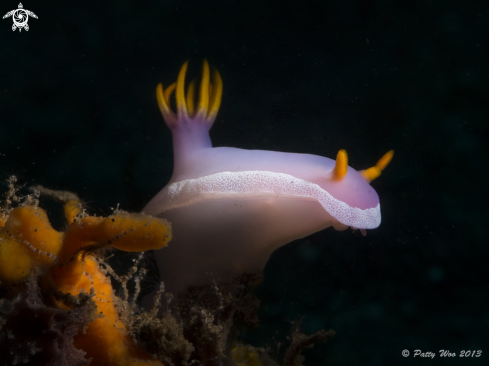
20,18
405,353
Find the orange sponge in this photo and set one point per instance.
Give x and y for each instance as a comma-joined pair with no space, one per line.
28,243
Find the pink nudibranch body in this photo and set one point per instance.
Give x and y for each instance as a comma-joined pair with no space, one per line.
231,208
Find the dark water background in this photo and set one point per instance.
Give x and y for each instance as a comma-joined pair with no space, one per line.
78,112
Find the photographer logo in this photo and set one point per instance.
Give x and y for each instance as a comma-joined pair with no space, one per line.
20,17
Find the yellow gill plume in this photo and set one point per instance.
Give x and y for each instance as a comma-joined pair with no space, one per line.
209,99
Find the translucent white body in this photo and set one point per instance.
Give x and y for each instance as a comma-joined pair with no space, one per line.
231,208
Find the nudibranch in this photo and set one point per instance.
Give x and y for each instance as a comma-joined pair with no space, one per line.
231,208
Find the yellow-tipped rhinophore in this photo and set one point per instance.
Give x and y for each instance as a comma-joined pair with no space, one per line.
341,166
209,98
371,173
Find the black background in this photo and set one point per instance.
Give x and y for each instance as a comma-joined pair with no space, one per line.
78,112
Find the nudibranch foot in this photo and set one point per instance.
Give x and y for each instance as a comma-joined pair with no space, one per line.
231,208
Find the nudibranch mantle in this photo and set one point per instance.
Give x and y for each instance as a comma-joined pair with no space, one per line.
254,184
231,208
